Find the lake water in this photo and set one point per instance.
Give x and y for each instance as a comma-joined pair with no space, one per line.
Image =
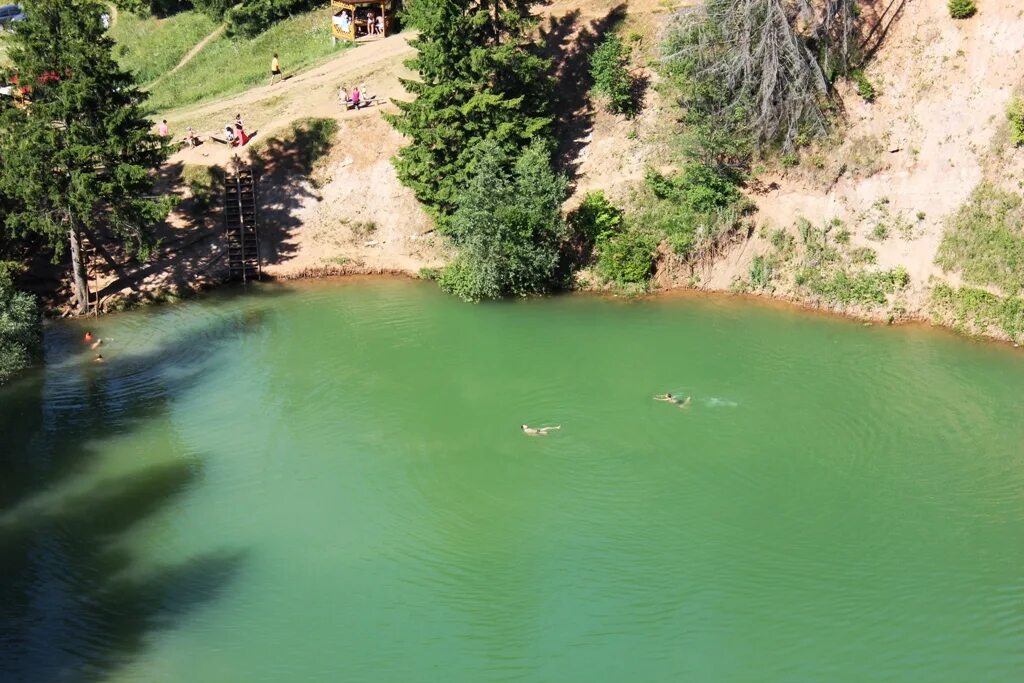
327,482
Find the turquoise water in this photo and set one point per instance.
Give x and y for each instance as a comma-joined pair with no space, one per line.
328,482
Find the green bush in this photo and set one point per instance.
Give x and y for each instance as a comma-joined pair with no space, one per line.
626,258
842,287
252,17
863,256
609,67
1015,114
865,88
761,272
984,239
701,187
976,310
782,241
214,9
962,9
508,226
20,327
594,217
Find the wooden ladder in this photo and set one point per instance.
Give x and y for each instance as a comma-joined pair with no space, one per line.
240,227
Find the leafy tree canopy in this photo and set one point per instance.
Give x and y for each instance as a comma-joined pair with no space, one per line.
77,152
508,226
479,81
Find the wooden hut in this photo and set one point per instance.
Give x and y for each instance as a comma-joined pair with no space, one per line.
351,19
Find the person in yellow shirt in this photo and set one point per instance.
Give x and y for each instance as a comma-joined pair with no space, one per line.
275,69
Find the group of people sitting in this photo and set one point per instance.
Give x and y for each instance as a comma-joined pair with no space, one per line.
236,135
357,98
369,25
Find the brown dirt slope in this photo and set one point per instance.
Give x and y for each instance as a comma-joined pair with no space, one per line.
936,130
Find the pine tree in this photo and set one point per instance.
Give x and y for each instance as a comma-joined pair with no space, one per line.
478,81
77,154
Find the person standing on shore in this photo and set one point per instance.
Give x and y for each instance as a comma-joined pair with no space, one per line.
275,69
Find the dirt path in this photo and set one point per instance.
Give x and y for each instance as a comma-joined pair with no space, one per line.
311,93
199,47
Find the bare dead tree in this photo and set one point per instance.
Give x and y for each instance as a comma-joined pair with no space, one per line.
763,65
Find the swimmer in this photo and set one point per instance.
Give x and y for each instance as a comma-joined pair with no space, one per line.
669,398
538,431
98,358
96,344
88,337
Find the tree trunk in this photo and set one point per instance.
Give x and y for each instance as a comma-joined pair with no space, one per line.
78,270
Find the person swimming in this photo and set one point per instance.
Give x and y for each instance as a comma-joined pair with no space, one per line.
538,431
88,337
96,344
98,358
670,398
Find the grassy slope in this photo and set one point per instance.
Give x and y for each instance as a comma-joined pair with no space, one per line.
150,47
228,66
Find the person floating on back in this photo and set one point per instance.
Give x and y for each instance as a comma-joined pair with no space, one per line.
538,431
275,69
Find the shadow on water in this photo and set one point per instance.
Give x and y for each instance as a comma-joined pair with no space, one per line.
75,602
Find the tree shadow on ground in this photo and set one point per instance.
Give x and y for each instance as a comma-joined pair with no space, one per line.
569,41
878,17
283,166
189,253
75,602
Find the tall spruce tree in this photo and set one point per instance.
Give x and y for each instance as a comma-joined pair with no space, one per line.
479,80
76,155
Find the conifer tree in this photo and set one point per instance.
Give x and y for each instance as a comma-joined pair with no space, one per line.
478,81
76,154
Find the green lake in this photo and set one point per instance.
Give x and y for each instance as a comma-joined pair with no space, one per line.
327,482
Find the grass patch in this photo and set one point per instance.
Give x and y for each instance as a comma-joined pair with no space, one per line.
4,61
1015,115
228,66
150,47
761,273
845,288
985,240
976,311
203,184
299,150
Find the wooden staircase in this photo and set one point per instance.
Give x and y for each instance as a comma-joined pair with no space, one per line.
240,226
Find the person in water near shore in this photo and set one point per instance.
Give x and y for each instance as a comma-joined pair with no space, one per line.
538,431
88,337
98,358
96,344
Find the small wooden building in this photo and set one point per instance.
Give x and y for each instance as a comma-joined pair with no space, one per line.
354,19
